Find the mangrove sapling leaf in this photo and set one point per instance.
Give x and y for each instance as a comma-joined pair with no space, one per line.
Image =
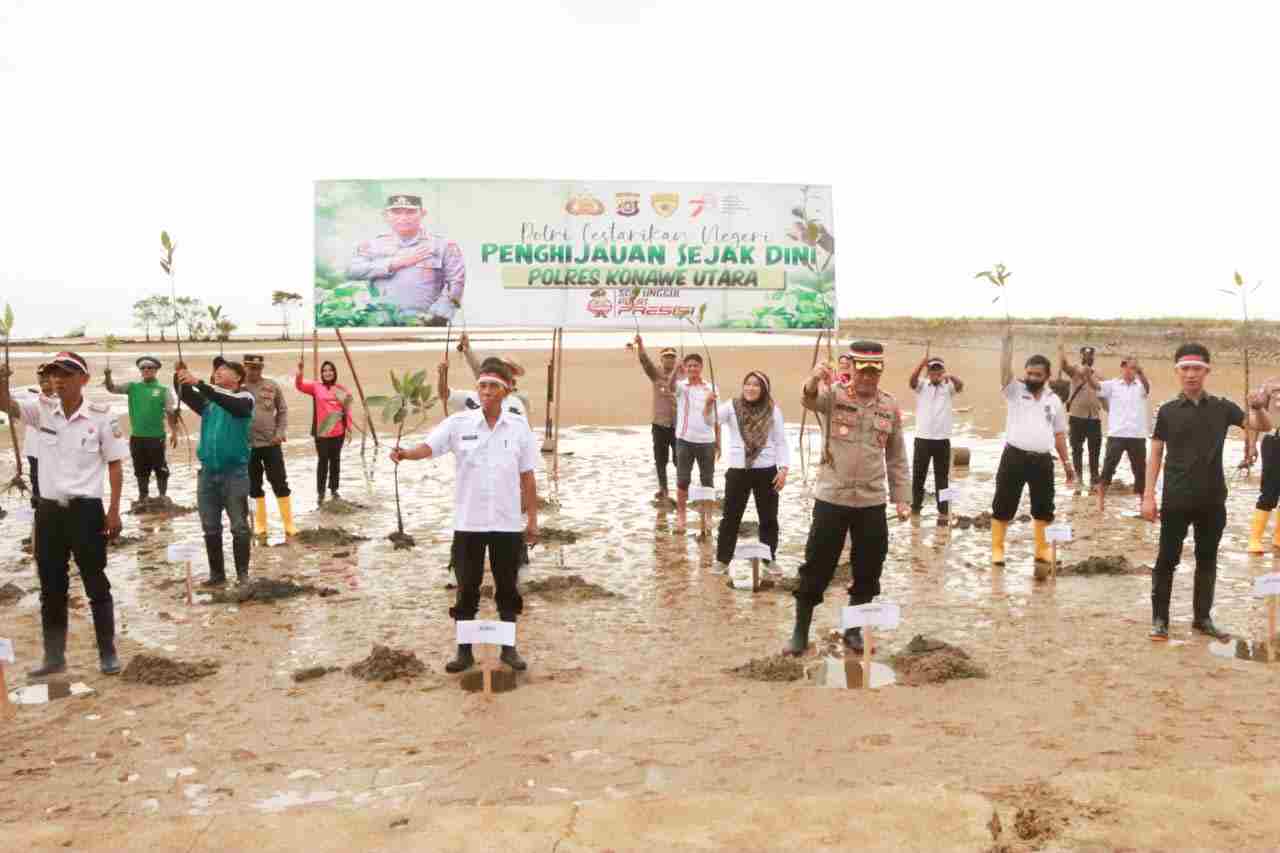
17,483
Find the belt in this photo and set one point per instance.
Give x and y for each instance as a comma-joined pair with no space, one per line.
1030,452
64,503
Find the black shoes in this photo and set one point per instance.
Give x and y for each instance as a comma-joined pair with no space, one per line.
512,658
1206,627
799,643
1160,630
463,661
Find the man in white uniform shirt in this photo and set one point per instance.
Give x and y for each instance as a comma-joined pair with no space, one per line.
495,485
1037,425
695,432
77,442
934,400
1128,425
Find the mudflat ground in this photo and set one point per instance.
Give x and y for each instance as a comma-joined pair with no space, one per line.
629,730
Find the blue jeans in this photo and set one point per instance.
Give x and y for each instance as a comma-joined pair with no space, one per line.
224,490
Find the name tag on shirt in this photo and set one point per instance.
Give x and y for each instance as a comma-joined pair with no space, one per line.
470,437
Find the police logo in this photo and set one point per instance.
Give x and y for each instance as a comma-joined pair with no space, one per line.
584,204
628,204
665,204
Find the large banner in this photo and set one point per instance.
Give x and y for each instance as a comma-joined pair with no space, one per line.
585,255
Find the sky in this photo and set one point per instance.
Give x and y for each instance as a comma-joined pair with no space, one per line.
1121,158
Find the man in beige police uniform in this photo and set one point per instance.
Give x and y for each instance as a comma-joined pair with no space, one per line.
266,439
495,485
73,450
863,447
664,409
1084,412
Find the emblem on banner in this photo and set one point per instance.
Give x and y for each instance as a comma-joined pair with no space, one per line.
584,204
628,204
600,305
665,204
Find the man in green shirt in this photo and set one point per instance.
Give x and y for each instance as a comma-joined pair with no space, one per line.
150,404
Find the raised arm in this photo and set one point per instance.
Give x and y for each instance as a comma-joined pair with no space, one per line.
914,381
956,382
442,383
238,404
646,363
189,389
112,388
810,397
473,358
1006,360
308,388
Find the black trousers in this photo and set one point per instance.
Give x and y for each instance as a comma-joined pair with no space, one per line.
1137,450
34,464
664,445
739,484
688,452
148,457
867,527
926,450
268,460
504,561
61,533
1019,468
1270,453
1208,522
1080,430
328,462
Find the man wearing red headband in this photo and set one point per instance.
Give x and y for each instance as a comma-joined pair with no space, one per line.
934,401
1192,427
494,485
78,441
863,447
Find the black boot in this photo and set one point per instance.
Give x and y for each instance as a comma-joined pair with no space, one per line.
162,483
104,627
1205,626
1206,581
240,551
1161,591
143,488
217,563
800,635
512,658
55,638
463,661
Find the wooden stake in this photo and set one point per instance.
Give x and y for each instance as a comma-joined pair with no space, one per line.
6,707
551,388
1053,566
191,599
359,388
1271,628
755,574
315,354
555,439
866,656
804,413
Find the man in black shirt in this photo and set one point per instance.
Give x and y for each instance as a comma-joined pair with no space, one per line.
1193,426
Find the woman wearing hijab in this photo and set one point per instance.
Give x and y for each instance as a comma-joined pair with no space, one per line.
758,459
332,405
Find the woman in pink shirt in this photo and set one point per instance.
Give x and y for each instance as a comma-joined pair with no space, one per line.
330,399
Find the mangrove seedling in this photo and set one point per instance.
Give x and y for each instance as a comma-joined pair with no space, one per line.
413,400
18,483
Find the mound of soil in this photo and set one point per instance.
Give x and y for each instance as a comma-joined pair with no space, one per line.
386,664
926,661
773,668
1114,565
328,536
567,588
548,504
153,669
981,521
10,593
313,672
158,506
338,506
402,541
547,535
124,541
268,589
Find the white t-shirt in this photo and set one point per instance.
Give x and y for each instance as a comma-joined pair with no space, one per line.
1032,423
692,424
490,462
1129,414
933,409
775,452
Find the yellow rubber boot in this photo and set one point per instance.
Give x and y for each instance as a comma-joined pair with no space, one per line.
286,515
998,530
1257,528
1275,539
1044,554
260,516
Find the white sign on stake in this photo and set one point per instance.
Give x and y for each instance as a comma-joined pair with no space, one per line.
1265,585
951,493
479,632
1058,533
702,493
871,616
6,650
752,551
182,551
